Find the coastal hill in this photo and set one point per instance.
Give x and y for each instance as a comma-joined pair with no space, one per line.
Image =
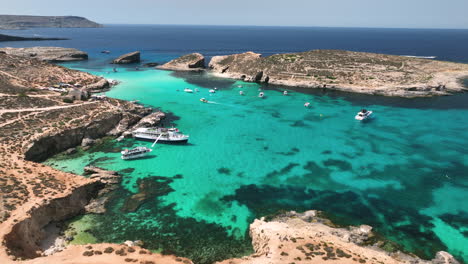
349,71
24,22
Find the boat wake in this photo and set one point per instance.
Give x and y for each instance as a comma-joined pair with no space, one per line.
420,57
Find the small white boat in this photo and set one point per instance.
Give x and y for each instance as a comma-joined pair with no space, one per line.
212,91
203,100
216,88
261,95
285,93
241,92
239,86
363,115
135,153
307,104
188,90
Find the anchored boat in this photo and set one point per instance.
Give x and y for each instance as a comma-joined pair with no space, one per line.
135,153
165,135
363,115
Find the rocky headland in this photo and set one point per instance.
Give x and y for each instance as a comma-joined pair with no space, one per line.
16,38
309,238
348,71
49,54
35,124
24,22
131,57
189,62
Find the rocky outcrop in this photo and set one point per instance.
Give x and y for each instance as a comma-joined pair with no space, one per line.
49,54
100,86
150,120
131,57
189,62
23,239
109,123
23,22
110,179
348,71
292,237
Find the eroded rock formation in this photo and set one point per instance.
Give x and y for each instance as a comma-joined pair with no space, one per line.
131,57
189,62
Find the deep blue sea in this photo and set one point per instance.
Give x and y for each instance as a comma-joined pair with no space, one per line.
405,173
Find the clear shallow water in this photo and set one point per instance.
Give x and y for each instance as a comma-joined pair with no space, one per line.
405,173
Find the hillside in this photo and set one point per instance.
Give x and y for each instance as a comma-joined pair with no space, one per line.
16,38
23,22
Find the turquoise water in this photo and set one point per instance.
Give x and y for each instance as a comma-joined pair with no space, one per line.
405,172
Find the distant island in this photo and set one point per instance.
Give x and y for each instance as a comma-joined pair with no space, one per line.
16,38
24,22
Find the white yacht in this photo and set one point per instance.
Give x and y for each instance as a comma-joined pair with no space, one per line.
363,115
212,91
241,92
167,135
307,104
135,153
188,90
285,93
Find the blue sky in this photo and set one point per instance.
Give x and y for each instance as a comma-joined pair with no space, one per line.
328,13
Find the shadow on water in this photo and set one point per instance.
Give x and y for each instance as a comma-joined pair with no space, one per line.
202,79
455,101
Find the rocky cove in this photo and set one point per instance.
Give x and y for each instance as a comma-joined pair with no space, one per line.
102,121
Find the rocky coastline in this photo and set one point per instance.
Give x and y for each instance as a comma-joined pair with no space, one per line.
189,62
356,72
48,54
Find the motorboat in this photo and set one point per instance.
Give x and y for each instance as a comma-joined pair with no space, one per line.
241,92
212,91
160,134
188,90
106,52
135,153
261,95
285,93
203,100
363,115
307,104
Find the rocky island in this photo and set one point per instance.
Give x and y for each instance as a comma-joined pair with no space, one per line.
24,22
131,57
358,72
189,62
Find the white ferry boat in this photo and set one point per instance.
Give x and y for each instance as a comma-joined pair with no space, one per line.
165,135
135,153
363,115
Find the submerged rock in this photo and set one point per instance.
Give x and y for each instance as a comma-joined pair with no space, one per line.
189,62
49,54
131,57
